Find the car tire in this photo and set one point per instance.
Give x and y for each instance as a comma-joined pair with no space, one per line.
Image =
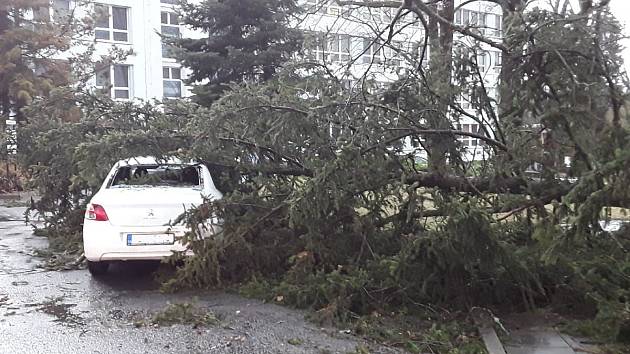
97,268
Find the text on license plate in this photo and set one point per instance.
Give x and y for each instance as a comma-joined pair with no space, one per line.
150,239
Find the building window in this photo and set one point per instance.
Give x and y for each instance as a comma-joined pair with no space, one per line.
483,61
336,49
370,14
470,18
366,56
463,100
323,7
112,23
120,87
61,10
392,53
172,82
170,29
467,140
496,24
170,24
342,48
332,49
497,61
377,53
41,14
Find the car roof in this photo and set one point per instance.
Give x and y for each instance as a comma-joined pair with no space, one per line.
151,160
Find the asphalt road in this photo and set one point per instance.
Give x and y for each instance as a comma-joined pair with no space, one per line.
70,312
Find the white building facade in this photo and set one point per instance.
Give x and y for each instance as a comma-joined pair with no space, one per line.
351,42
358,43
149,70
355,42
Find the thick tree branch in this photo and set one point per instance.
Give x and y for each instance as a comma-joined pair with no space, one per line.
273,107
482,137
496,184
420,7
262,148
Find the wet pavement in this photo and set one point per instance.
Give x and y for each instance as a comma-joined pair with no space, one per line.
538,340
536,333
68,312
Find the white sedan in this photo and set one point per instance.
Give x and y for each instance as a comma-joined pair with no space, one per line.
132,215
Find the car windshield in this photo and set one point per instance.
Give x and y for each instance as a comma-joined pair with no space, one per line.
157,176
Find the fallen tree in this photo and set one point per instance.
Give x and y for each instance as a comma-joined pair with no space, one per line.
328,206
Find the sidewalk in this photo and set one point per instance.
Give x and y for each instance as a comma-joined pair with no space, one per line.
533,334
537,340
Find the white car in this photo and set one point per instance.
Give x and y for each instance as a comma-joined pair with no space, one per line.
132,215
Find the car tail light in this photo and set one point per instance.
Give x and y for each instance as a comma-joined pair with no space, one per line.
96,212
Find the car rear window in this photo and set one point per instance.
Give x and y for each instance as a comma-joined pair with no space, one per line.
157,176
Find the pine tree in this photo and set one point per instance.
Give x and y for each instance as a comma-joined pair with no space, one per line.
246,40
28,42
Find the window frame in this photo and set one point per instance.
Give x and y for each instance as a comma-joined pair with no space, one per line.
61,14
497,61
50,13
329,49
169,24
497,29
343,49
111,81
324,8
469,141
463,100
170,78
111,31
382,54
483,61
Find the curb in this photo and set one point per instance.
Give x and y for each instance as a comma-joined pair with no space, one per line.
491,340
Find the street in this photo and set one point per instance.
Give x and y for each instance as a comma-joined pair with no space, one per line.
68,311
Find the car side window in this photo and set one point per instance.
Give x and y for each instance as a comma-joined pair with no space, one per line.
190,176
122,176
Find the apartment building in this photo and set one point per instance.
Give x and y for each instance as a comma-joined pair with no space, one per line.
351,40
354,42
136,26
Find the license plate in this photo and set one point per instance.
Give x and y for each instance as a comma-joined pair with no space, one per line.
150,239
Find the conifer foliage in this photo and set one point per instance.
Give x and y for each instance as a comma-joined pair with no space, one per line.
27,43
244,40
324,205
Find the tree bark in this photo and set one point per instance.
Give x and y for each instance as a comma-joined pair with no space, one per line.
5,100
440,72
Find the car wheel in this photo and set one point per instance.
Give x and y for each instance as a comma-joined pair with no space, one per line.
97,268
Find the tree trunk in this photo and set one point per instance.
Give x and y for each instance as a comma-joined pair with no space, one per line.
5,101
440,76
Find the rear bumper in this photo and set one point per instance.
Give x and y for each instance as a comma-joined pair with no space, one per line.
105,242
129,256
